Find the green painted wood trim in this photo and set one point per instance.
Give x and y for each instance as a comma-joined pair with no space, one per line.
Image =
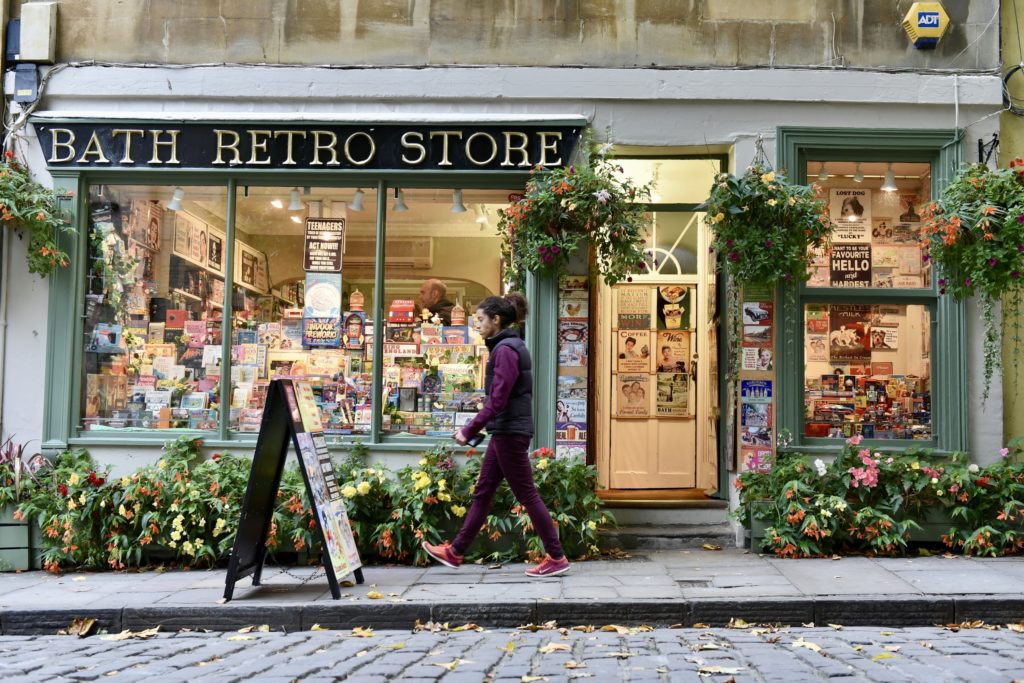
227,314
62,377
542,322
943,149
377,376
269,177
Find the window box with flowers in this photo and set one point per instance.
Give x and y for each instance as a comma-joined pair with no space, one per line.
32,209
566,207
975,237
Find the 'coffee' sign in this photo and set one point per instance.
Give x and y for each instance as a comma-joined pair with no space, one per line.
308,146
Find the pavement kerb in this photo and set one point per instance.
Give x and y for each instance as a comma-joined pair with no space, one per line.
867,610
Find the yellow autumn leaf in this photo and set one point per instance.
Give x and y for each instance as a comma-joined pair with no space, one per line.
881,656
242,638
836,627
468,627
1016,628
510,647
710,670
573,664
584,628
360,632
450,666
555,647
736,622
711,546
318,627
393,646
263,628
247,629
375,595
362,653
614,628
138,635
813,647
530,679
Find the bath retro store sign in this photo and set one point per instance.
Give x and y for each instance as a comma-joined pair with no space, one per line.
444,147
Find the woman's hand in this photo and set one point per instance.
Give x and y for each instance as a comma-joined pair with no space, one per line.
460,438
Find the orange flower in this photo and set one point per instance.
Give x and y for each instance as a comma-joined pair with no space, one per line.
989,211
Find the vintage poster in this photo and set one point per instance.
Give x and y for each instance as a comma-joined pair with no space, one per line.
882,278
633,305
572,387
882,230
323,295
850,209
909,260
144,223
756,414
673,395
632,395
673,307
573,308
850,265
571,410
321,332
883,368
190,239
757,313
215,252
908,208
756,436
756,390
885,338
756,459
570,431
672,353
573,338
757,336
759,359
633,351
816,318
885,257
908,281
848,333
817,347
323,245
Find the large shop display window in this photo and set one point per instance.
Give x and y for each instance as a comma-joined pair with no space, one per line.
301,301
867,355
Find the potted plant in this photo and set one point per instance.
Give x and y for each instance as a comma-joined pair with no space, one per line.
34,210
18,535
765,230
563,208
974,234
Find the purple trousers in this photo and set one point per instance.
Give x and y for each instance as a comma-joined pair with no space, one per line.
508,458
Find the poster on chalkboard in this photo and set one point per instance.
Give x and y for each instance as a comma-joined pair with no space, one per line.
291,415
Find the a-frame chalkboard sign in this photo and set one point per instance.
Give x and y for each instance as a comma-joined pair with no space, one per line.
291,414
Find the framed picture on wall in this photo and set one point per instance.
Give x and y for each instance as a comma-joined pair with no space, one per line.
215,252
251,267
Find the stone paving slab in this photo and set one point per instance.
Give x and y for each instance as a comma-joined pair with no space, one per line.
658,588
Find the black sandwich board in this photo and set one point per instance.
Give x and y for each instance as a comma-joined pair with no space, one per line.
291,414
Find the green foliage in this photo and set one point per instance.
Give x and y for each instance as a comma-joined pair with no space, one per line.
870,502
565,207
184,509
31,208
116,268
974,234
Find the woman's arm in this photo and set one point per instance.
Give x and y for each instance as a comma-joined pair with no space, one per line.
506,372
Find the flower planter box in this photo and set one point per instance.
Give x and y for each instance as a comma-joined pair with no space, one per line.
17,542
935,523
757,527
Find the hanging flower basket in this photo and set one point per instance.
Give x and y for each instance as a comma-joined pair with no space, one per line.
564,208
975,237
34,210
765,231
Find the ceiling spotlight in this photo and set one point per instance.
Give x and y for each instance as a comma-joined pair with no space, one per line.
890,181
277,203
399,202
175,203
296,219
357,201
457,205
858,175
295,204
822,173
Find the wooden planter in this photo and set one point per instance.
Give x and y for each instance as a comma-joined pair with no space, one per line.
20,543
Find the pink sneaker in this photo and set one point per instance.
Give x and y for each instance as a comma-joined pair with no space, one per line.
549,567
443,554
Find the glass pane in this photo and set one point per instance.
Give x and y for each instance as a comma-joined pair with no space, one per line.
154,296
673,242
675,181
443,256
302,312
867,370
876,209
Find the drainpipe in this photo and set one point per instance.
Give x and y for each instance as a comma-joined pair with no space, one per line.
5,269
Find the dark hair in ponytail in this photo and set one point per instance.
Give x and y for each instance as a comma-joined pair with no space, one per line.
510,309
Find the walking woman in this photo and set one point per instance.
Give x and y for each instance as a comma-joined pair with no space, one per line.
508,416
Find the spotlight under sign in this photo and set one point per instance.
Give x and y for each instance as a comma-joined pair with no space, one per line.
925,24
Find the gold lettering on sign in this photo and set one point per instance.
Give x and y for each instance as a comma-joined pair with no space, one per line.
348,150
331,146
93,147
494,148
521,148
444,135
55,144
408,144
290,134
546,146
127,133
259,139
232,146
158,143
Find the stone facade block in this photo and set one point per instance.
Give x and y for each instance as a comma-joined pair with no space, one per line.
774,11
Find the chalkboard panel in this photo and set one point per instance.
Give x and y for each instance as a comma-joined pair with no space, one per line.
291,413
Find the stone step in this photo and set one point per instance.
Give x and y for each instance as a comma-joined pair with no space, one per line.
716,512
670,536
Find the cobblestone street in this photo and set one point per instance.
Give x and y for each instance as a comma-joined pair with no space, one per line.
749,654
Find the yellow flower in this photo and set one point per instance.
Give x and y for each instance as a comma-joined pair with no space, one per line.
160,465
121,511
363,488
591,525
188,548
176,535
371,471
792,201
719,217
218,528
768,177
915,465
103,504
349,492
458,510
71,504
174,507
444,497
81,498
423,462
441,483
125,481
73,479
542,464
772,202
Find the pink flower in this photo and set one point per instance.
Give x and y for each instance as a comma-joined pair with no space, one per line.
855,440
1004,452
603,196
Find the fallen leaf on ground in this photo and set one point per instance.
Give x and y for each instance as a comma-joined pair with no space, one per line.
247,629
510,647
242,638
554,647
836,627
706,646
360,632
736,622
375,595
712,670
208,662
809,624
883,655
699,624
583,628
893,648
78,578
495,566
221,601
136,635
622,655
711,546
450,666
925,643
79,627
393,646
1016,628
615,628
573,664
813,647
318,627
530,679
468,627
887,633
362,653
347,583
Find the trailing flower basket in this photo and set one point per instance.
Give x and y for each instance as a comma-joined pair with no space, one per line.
34,210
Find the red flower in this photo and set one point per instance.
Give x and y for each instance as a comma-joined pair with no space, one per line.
63,490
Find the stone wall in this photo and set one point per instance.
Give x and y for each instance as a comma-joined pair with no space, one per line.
609,33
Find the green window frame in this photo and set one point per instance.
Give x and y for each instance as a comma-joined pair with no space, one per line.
943,149
66,302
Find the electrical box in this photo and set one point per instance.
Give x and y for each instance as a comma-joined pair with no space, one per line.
38,32
925,24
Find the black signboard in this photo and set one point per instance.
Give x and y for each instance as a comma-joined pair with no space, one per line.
291,415
850,265
325,238
514,147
